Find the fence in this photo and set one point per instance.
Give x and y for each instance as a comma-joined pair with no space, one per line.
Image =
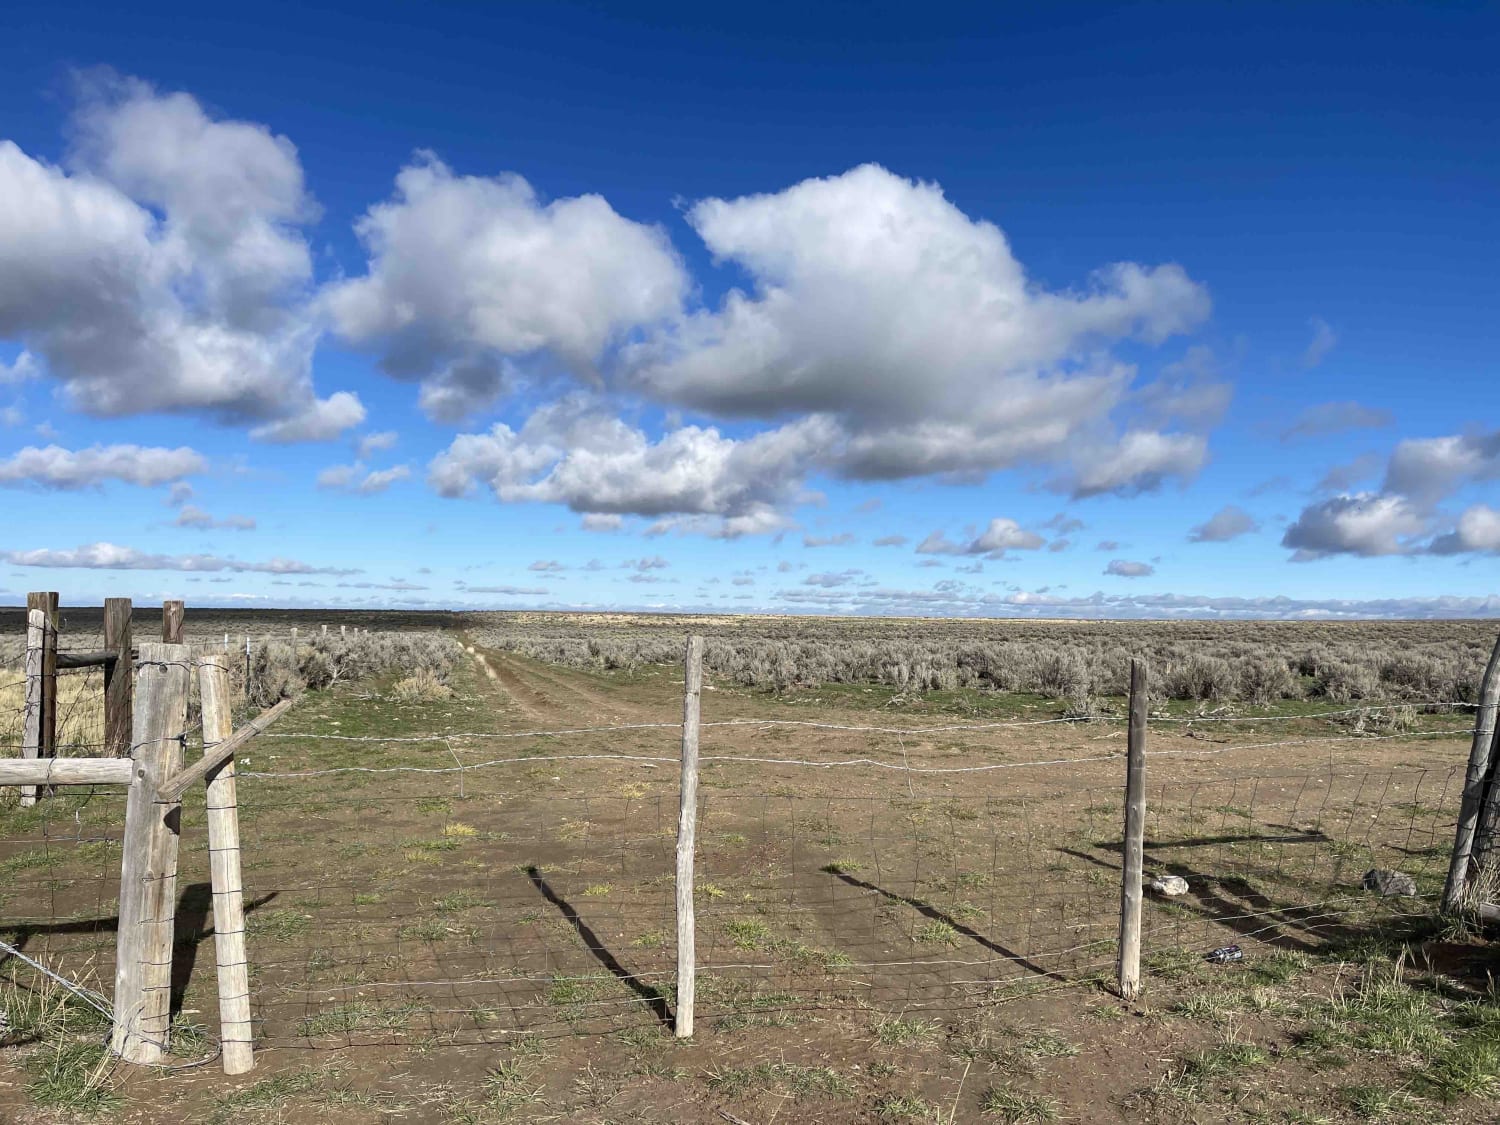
471,885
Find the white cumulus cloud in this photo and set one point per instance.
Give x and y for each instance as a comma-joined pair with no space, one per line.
53,466
1000,536
881,305
163,269
468,272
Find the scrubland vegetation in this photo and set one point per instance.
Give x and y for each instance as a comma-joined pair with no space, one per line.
417,663
1255,662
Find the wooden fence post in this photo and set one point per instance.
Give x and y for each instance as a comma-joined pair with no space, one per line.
171,622
687,834
119,677
148,866
235,1031
36,740
1135,832
1476,781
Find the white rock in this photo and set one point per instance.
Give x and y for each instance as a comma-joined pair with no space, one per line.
1169,885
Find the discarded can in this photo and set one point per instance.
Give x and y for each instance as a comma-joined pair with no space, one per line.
1225,954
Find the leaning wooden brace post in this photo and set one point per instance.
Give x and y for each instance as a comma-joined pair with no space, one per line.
687,834
148,867
33,734
119,677
1473,802
224,869
1135,832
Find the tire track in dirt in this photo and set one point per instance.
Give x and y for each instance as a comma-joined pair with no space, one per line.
558,696
513,696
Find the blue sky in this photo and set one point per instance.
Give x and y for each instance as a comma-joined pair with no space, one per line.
1150,310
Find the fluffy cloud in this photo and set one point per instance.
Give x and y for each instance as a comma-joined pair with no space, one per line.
370,444
1365,524
1140,462
23,368
1002,535
108,556
1124,568
381,479
53,466
467,272
1229,522
840,578
163,270
1478,529
575,453
316,420
884,307
356,478
195,517
842,539
1404,517
892,541
1428,469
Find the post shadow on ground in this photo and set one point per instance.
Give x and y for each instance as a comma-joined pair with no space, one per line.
1211,906
653,997
191,929
927,910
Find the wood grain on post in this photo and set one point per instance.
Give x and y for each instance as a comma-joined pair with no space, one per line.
31,772
1135,835
172,613
148,867
1476,800
687,834
224,873
44,715
31,728
119,677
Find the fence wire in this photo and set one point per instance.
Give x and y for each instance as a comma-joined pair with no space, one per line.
433,887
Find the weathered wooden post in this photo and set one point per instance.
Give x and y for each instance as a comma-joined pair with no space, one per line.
172,613
148,866
235,1032
687,833
1478,796
1135,831
119,677
37,740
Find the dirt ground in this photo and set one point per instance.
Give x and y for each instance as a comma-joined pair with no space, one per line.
493,942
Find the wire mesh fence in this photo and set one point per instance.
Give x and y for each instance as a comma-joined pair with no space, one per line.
457,887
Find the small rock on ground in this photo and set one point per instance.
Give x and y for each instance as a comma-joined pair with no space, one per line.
1388,883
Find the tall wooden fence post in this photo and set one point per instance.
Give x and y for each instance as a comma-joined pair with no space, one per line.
172,613
119,677
36,740
235,1031
148,866
1135,833
687,834
1476,781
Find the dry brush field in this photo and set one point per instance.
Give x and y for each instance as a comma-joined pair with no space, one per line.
493,942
